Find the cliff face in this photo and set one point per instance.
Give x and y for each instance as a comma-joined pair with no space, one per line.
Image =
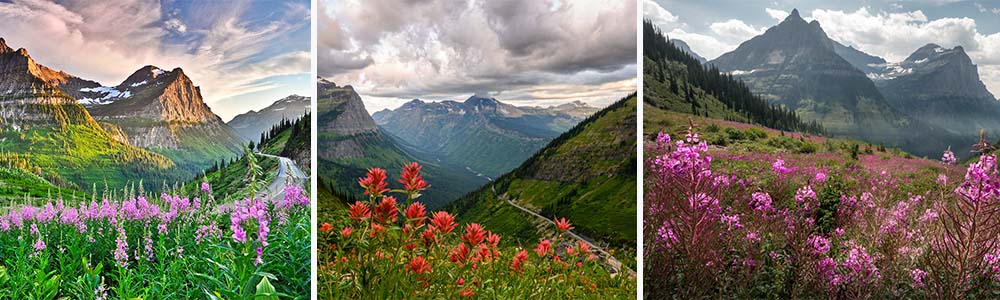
342,118
162,109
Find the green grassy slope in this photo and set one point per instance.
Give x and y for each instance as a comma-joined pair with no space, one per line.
587,175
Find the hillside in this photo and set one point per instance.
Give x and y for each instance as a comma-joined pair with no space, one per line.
349,143
586,175
251,124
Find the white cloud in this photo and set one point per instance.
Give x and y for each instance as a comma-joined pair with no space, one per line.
776,14
895,35
108,40
396,50
659,16
735,30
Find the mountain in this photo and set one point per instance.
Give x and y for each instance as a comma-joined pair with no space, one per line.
163,111
675,80
481,134
795,65
864,62
45,124
349,143
587,174
941,86
251,124
687,49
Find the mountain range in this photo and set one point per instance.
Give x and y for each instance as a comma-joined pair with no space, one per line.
349,143
154,126
482,134
935,92
251,124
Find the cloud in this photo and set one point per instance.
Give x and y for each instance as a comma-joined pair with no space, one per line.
895,35
735,30
776,14
404,49
108,40
658,15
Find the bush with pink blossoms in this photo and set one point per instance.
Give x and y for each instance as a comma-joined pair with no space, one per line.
721,223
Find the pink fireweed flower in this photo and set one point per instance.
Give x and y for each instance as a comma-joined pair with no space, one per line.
662,138
121,250
981,182
294,195
820,177
948,157
761,201
918,277
374,182
779,167
411,179
39,245
942,179
205,187
820,245
803,193
260,257
731,221
752,236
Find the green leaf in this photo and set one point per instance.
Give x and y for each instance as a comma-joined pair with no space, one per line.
265,291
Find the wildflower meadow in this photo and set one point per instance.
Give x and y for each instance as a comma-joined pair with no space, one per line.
171,247
816,226
386,248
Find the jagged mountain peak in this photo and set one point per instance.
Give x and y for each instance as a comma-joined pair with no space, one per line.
477,100
3,46
794,14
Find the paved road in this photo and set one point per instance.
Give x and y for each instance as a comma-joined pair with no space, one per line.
288,174
610,260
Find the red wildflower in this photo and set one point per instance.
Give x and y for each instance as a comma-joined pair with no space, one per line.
377,229
460,254
419,265
333,246
428,237
543,248
416,213
562,224
386,210
468,293
374,182
359,211
412,180
410,247
346,231
570,251
461,281
583,247
579,264
492,238
326,227
443,221
519,259
474,234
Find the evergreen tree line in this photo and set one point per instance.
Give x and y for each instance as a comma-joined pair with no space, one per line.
729,90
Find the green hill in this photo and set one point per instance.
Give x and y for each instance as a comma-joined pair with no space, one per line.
587,175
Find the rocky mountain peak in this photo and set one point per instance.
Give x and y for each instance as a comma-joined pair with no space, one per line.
3,46
794,14
478,101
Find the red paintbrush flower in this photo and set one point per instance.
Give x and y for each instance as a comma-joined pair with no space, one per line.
474,234
443,221
386,211
326,227
374,182
346,231
583,247
419,265
468,293
460,254
411,179
544,247
519,259
461,281
377,229
416,213
428,237
492,239
563,225
359,211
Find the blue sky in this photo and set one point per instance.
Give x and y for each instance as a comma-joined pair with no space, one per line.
889,29
243,54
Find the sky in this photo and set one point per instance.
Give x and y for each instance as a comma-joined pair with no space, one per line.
524,52
891,29
243,54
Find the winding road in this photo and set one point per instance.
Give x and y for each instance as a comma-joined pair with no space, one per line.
609,260
288,174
